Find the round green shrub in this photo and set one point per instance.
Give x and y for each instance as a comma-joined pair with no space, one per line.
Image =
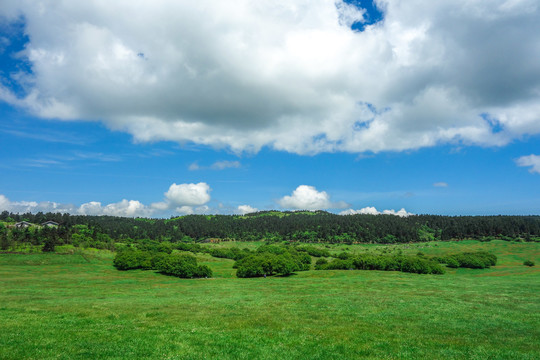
451,262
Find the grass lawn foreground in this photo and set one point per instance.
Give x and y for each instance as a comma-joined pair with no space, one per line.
78,306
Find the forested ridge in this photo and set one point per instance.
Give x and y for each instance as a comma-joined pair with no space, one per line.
310,227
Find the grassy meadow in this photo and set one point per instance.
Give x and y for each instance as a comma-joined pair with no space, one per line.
78,306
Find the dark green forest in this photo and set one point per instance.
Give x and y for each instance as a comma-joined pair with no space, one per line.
270,226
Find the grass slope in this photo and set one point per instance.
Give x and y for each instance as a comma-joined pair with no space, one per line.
79,307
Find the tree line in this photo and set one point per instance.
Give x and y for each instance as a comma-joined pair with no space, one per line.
303,227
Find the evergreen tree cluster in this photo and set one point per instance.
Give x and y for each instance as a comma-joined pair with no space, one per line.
305,227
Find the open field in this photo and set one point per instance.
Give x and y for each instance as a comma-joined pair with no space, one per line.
80,307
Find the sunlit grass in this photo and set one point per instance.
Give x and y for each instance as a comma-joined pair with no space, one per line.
79,307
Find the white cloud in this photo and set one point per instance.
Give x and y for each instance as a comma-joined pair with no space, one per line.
246,209
367,210
124,208
91,208
128,208
160,206
4,203
307,197
34,206
185,210
185,198
400,213
531,160
288,74
373,211
188,194
440,184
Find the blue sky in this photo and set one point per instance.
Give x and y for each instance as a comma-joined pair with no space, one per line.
349,107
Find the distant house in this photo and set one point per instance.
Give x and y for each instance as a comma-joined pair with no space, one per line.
23,224
50,223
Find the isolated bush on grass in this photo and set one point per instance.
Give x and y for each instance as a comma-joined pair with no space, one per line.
475,260
183,266
127,260
271,264
528,263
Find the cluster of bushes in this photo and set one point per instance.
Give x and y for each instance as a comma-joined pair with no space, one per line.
271,263
411,264
180,265
314,251
471,260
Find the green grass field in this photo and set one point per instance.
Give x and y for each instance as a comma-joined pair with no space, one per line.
78,306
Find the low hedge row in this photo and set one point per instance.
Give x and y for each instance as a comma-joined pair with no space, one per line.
471,260
411,264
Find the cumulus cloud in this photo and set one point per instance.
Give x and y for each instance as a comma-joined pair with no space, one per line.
369,210
34,207
190,210
307,197
287,74
188,194
373,211
531,160
4,202
124,208
400,213
246,209
91,208
184,198
440,184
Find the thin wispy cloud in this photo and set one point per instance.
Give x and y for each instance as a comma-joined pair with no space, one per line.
222,165
46,135
218,165
42,163
441,184
54,160
96,156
